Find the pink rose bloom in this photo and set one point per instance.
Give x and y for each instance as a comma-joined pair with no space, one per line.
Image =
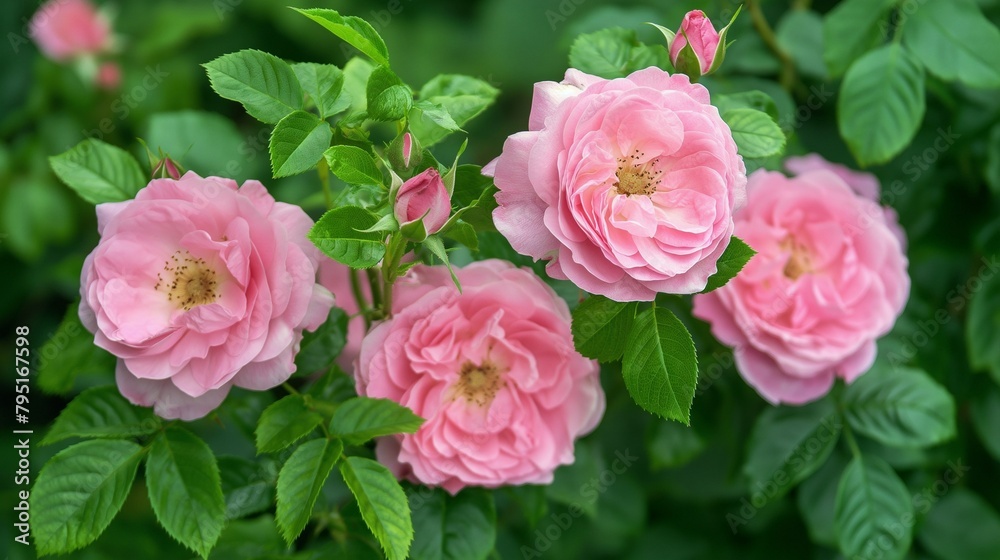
197,285
628,185
336,277
109,76
703,37
423,196
828,280
492,370
64,29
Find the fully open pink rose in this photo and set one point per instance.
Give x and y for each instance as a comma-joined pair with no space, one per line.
67,28
828,280
697,29
336,277
493,371
628,185
423,196
197,285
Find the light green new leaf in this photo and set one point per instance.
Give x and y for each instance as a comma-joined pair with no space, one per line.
338,233
881,104
324,84
360,419
462,98
872,510
382,502
601,327
185,489
264,84
660,365
99,172
297,143
79,491
300,481
353,165
102,412
388,99
285,422
355,31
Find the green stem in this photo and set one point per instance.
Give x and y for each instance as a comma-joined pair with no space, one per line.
376,288
849,438
787,75
289,388
359,298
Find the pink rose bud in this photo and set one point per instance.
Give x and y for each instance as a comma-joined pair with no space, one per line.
697,31
424,196
407,148
65,29
109,77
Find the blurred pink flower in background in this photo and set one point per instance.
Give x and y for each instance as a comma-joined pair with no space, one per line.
109,76
493,371
65,29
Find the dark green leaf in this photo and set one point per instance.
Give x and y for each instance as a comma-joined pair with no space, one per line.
70,352
264,84
338,235
983,322
962,526
300,481
297,143
732,261
660,365
353,165
248,486
601,327
755,132
383,504
285,422
361,419
320,347
102,412
874,514
460,527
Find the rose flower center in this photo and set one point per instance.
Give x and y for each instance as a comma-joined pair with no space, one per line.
187,281
799,262
636,178
478,384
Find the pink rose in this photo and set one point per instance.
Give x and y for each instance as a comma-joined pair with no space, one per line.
64,29
828,280
336,277
628,185
492,370
424,196
703,38
109,76
197,285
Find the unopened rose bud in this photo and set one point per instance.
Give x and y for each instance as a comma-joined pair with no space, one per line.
423,196
697,49
404,153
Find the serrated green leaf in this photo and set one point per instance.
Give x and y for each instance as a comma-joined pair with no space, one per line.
79,491
462,232
285,422
320,347
881,104
324,84
788,444
601,327
102,412
298,142
185,489
338,235
605,53
264,84
68,353
955,42
461,97
99,172
300,481
900,407
851,29
755,132
947,534
355,31
387,97
248,486
382,502
460,527
872,510
660,365
360,419
732,261
353,165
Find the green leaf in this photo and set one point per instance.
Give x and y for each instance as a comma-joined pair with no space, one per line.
955,42
79,491
475,196
338,235
730,263
253,539
355,31
446,527
185,489
851,29
461,97
297,143
900,407
68,353
985,419
353,165
285,422
300,481
99,172
753,99
464,233
671,445
660,365
320,347
264,84
800,32
874,514
881,104
755,132
789,443
323,83
101,412
601,327
387,97
947,532
817,498
983,322
383,504
436,247
361,419
248,486
608,53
